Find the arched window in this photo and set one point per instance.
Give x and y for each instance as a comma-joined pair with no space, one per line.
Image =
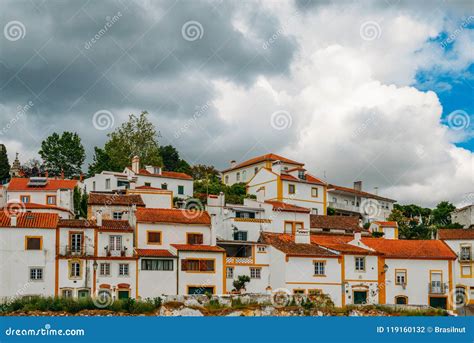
401,300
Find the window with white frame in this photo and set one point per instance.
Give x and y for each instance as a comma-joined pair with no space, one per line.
36,274
238,177
314,192
66,293
319,268
115,242
104,269
400,277
123,269
117,215
360,264
107,183
75,269
255,273
229,272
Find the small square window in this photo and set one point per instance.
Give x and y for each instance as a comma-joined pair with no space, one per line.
360,264
33,243
66,293
117,215
314,192
51,199
104,269
153,237
291,189
230,272
255,273
164,186
180,189
123,269
400,277
36,274
25,198
319,268
262,249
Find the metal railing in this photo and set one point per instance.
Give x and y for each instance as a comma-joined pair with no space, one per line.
436,287
72,250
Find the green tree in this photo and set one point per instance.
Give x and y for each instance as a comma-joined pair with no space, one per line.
136,137
80,203
63,153
101,161
172,161
204,172
441,215
4,165
33,167
240,283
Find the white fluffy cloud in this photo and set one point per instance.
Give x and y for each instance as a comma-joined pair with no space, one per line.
353,110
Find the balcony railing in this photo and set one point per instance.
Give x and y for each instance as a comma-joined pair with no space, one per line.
69,250
436,287
465,257
239,260
115,252
343,207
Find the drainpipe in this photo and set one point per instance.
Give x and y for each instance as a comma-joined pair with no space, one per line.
177,274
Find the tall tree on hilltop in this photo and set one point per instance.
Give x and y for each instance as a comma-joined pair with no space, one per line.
203,172
101,162
172,161
136,137
33,167
63,153
4,165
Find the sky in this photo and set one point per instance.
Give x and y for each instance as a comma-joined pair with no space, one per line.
378,91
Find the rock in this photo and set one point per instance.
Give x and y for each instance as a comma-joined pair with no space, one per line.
192,302
235,314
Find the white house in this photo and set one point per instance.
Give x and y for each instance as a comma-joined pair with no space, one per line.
43,191
113,206
153,197
464,216
244,171
461,242
356,202
20,207
388,228
27,254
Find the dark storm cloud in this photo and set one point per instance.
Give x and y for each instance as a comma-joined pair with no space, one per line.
141,62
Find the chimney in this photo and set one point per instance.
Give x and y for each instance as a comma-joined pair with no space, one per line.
302,236
132,219
232,164
357,235
358,185
376,190
98,218
136,164
13,220
276,167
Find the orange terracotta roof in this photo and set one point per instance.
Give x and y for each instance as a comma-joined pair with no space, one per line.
411,249
309,179
31,220
340,243
33,206
105,199
283,206
387,224
193,247
347,223
359,193
107,224
455,234
153,253
264,158
21,184
165,174
286,244
148,187
164,215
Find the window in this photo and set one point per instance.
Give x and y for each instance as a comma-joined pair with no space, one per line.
262,249
244,175
74,269
319,268
104,269
66,293
334,200
240,235
93,185
117,215
51,199
197,265
436,281
226,179
465,270
255,273
123,269
75,241
83,293
180,189
299,291
156,264
314,211
229,272
107,183
291,189
400,276
148,184
195,238
301,174
157,170
36,274
292,227
238,177
314,293
360,264
164,186
33,243
401,300
25,198
240,214
255,170
115,243
153,237
465,254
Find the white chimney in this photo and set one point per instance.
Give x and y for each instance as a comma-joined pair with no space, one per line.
214,226
233,163
357,235
358,185
136,164
99,218
276,167
13,219
302,236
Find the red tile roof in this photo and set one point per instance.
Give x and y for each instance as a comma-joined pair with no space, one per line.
105,199
21,184
107,224
456,234
347,223
31,220
33,206
359,193
282,206
309,179
286,244
165,174
153,253
264,158
387,224
192,247
162,215
340,243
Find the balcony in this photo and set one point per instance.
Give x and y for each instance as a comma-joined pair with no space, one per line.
69,250
239,260
436,287
343,207
115,252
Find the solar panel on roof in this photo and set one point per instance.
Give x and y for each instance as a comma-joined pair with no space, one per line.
38,182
